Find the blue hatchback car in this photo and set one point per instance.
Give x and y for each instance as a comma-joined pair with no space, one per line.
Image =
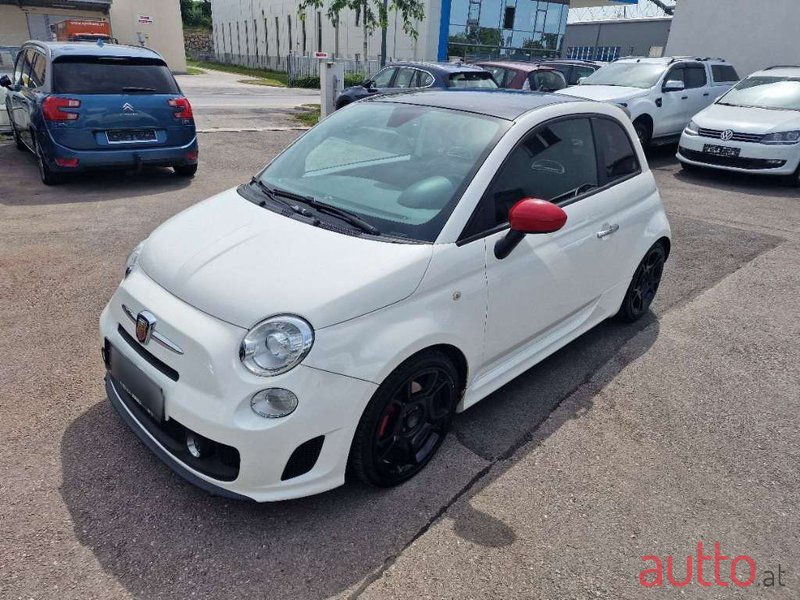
83,106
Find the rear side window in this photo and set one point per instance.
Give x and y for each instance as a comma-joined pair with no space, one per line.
424,79
547,81
502,76
110,75
404,77
724,73
696,76
618,159
38,70
474,79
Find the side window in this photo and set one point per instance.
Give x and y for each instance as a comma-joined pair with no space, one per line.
38,71
676,74
615,148
696,76
384,77
404,77
554,162
27,63
724,73
18,65
499,75
424,79
547,81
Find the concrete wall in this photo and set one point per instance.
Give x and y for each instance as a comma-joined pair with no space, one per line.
634,37
14,21
164,34
750,35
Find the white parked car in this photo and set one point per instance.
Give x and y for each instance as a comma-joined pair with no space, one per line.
754,128
661,94
395,265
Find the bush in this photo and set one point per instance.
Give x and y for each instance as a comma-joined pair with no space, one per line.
311,82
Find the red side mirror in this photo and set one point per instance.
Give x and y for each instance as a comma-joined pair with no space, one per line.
531,215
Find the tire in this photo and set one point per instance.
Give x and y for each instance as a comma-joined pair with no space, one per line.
794,180
643,132
185,170
47,175
644,285
406,421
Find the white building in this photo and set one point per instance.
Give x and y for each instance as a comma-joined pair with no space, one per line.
748,34
265,32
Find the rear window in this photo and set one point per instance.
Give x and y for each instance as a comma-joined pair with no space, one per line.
724,73
111,75
472,79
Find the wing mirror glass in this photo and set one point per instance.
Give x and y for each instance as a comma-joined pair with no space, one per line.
5,81
673,85
529,216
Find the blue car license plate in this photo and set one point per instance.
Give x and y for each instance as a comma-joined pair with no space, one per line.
145,392
122,136
721,150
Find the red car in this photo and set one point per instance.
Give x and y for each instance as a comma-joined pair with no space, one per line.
525,76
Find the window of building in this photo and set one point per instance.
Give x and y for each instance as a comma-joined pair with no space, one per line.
277,37
319,32
303,22
289,29
508,17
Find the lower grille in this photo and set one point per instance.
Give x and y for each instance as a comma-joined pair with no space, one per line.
303,458
730,161
221,462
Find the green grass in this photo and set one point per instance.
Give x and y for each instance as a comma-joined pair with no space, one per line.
194,71
309,114
272,78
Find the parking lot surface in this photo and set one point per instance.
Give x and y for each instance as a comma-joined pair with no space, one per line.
633,440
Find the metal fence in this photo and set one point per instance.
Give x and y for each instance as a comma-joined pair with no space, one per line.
296,67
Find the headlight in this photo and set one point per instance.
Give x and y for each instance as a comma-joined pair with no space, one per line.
276,345
786,137
133,259
692,128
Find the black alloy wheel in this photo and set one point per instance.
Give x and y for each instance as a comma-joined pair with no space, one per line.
406,421
644,285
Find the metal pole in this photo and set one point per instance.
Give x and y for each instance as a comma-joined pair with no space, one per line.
383,33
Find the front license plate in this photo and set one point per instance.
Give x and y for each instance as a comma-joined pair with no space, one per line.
119,136
721,150
145,392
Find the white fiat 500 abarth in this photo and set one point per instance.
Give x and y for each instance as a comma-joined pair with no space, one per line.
398,263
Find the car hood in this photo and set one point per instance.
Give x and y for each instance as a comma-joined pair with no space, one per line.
604,93
241,263
747,120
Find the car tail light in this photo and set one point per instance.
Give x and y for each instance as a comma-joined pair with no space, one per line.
191,155
67,162
53,109
183,108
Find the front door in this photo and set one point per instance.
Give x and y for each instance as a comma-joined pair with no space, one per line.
674,106
551,284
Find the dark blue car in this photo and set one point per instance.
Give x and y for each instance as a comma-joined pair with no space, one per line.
83,106
402,76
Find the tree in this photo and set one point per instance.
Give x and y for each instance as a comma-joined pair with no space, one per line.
196,13
374,14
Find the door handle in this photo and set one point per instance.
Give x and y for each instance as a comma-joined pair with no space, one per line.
609,229
684,97
706,94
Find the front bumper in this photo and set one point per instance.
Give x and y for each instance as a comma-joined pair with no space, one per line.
754,158
211,397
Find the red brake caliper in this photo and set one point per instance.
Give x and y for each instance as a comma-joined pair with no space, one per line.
385,420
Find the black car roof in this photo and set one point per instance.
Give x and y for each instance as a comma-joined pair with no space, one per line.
501,103
442,68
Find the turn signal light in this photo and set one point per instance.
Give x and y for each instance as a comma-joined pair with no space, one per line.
184,109
53,109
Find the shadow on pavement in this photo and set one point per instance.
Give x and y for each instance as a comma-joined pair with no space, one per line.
160,537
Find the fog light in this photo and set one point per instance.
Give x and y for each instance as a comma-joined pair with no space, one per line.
67,162
273,403
197,445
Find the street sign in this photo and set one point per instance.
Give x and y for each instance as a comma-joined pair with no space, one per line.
322,55
145,20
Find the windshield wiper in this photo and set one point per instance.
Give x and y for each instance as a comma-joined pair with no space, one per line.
341,213
134,89
272,195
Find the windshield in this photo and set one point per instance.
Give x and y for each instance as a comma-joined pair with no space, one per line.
765,92
401,168
112,75
472,79
639,75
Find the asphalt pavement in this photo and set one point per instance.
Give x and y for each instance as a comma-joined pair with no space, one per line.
633,440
